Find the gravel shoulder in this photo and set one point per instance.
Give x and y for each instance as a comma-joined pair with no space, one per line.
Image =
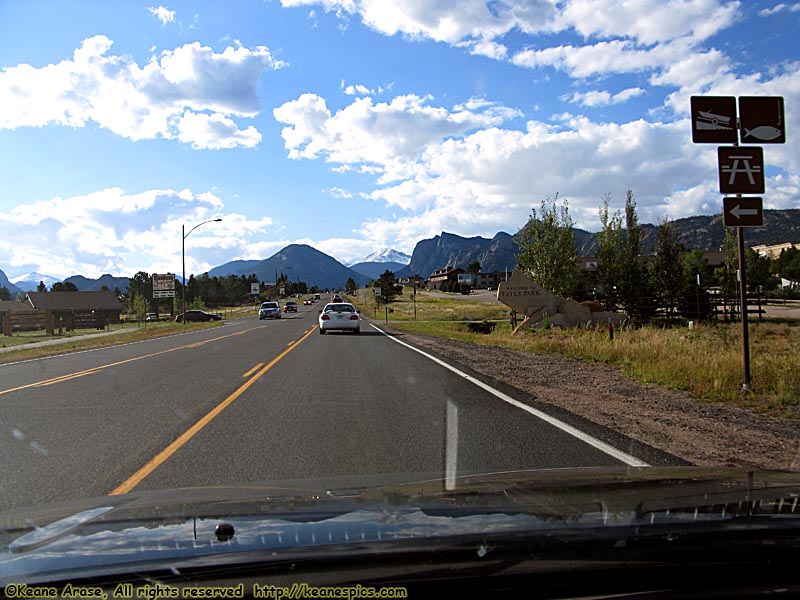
703,433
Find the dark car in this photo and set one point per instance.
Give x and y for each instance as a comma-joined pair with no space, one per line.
290,306
198,315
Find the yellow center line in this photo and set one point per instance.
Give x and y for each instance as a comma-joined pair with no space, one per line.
253,370
167,452
69,376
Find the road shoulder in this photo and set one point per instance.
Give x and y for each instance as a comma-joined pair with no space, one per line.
699,432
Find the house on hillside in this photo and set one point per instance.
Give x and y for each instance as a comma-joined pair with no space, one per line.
79,310
775,250
440,276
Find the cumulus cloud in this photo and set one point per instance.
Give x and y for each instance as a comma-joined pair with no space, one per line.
163,14
189,93
112,231
479,25
389,137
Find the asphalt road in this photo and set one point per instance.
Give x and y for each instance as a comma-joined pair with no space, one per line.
257,401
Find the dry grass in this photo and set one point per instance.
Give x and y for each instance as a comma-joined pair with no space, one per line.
130,334
705,361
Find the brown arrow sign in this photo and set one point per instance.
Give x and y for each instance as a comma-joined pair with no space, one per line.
742,212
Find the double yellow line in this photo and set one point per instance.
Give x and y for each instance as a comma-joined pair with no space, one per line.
162,456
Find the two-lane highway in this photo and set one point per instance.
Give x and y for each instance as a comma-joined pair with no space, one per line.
257,401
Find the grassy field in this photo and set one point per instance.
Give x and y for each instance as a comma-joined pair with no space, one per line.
706,360
447,308
78,341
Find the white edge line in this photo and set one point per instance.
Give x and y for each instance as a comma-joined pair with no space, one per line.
628,459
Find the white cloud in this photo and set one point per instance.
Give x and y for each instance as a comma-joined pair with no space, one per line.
779,8
214,131
336,192
485,178
111,231
163,14
602,98
479,24
390,136
168,97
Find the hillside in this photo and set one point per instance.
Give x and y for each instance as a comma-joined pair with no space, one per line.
12,289
499,253
374,269
304,263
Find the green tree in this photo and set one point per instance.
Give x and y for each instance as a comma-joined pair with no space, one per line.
759,271
389,289
610,242
350,286
5,294
636,293
726,274
41,287
140,307
789,264
547,253
666,269
474,267
694,264
621,272
140,284
64,286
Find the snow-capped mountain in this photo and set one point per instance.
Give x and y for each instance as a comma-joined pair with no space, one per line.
387,255
29,281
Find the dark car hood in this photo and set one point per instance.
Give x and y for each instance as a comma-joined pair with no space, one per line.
188,526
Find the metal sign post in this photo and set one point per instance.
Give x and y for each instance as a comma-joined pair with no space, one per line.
760,119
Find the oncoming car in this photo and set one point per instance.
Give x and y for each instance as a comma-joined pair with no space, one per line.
269,310
340,316
290,306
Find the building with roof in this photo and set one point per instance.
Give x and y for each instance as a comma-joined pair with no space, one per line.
79,310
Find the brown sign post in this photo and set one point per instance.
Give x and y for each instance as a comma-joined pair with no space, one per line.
760,120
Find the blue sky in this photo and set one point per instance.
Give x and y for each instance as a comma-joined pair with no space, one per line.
354,125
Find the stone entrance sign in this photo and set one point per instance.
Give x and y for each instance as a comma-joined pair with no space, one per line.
537,304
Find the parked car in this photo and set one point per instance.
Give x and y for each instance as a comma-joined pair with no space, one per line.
269,310
198,315
290,306
340,315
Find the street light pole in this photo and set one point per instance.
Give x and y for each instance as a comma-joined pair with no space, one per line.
183,262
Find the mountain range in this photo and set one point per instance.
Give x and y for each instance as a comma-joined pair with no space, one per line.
30,281
386,255
299,261
12,289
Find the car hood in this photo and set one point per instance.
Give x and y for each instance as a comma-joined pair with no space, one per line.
193,526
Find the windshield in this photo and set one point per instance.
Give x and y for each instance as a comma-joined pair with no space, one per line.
543,236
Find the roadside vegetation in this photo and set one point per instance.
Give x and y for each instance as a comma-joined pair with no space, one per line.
77,340
705,361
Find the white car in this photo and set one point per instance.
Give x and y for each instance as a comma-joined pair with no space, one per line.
339,316
269,310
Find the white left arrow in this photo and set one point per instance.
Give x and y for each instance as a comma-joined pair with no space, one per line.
738,212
